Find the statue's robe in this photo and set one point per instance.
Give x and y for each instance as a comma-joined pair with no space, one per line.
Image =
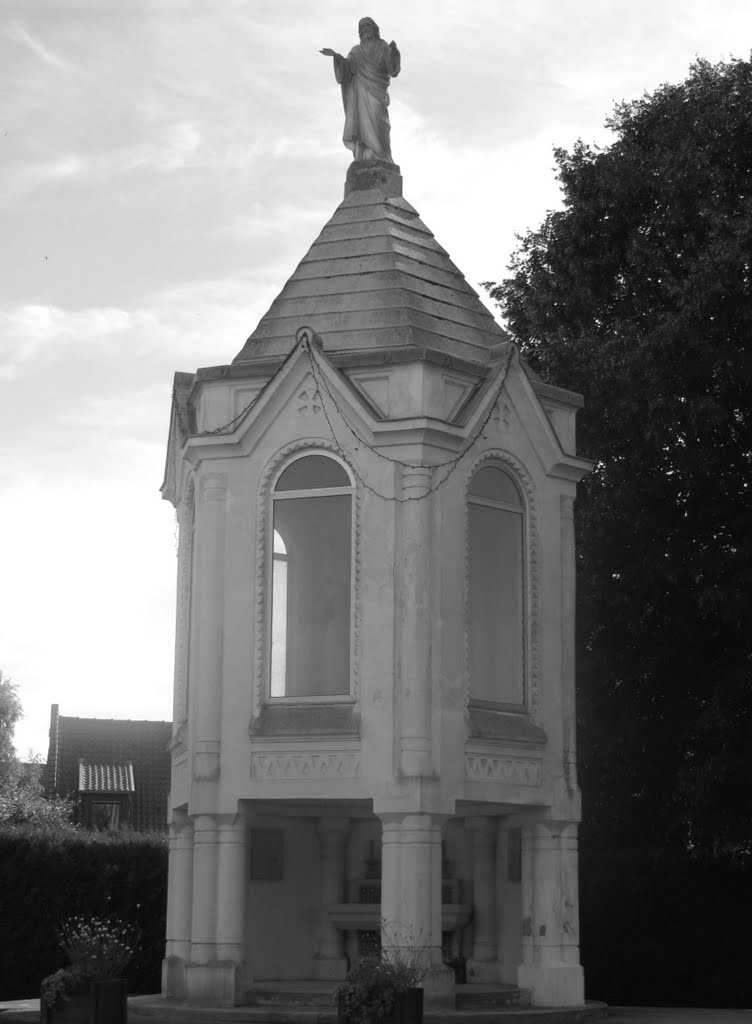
365,82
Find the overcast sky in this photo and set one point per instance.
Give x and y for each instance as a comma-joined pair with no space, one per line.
164,166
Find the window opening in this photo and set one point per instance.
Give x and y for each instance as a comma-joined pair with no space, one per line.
311,580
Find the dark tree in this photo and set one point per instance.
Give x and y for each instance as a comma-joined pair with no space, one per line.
637,293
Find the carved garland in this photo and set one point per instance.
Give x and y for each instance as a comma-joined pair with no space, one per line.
183,611
261,654
532,576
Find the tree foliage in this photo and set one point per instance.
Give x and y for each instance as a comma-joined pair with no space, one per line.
21,791
10,712
637,294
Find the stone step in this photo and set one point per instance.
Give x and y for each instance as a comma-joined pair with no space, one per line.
293,994
155,1010
489,997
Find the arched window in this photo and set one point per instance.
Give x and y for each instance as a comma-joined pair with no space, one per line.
496,588
311,580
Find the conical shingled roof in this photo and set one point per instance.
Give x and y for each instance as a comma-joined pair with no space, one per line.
376,280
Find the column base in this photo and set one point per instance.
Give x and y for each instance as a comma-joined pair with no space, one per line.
438,985
220,983
173,977
329,968
483,972
553,984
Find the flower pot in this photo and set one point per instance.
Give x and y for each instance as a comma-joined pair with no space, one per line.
104,1002
408,1009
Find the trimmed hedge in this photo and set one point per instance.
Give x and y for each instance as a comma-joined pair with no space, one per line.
48,875
665,929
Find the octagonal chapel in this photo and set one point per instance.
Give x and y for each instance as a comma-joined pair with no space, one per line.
374,711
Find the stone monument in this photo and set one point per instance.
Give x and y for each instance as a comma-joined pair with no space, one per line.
374,720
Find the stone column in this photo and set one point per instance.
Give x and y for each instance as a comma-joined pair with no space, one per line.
183,609
568,575
210,582
554,976
330,962
411,894
526,894
483,965
179,906
231,887
210,980
414,554
231,908
204,917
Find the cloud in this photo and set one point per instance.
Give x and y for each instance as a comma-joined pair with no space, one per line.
18,33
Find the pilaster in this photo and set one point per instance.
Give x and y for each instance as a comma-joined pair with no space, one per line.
210,580
415,624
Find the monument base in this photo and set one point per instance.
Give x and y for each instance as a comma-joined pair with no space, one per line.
221,983
553,984
364,175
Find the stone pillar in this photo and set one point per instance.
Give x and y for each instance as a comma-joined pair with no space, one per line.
568,575
415,625
411,894
526,894
330,962
179,906
183,609
210,585
231,907
200,974
204,918
554,975
483,965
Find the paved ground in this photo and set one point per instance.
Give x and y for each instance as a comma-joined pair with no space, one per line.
26,1011
671,1015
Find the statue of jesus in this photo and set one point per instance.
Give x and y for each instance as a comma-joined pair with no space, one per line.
364,76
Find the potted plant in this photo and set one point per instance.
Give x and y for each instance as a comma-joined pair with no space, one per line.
92,989
384,989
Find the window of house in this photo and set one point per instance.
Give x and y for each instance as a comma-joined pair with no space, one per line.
496,588
104,814
311,579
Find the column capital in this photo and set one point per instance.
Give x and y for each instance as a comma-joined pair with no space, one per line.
232,823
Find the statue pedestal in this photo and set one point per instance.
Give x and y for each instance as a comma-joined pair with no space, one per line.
364,175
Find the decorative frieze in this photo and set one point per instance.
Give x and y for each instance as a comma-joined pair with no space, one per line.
500,768
299,764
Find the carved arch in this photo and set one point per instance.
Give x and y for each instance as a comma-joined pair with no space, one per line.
262,625
532,581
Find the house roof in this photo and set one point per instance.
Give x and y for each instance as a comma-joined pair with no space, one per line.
106,778
376,279
105,748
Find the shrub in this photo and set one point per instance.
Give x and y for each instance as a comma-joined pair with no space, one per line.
52,874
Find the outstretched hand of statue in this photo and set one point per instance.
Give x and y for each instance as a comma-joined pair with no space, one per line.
393,47
329,53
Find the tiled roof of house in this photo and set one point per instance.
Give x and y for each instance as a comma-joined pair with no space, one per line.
106,778
106,744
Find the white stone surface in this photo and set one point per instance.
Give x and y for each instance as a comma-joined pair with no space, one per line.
405,748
